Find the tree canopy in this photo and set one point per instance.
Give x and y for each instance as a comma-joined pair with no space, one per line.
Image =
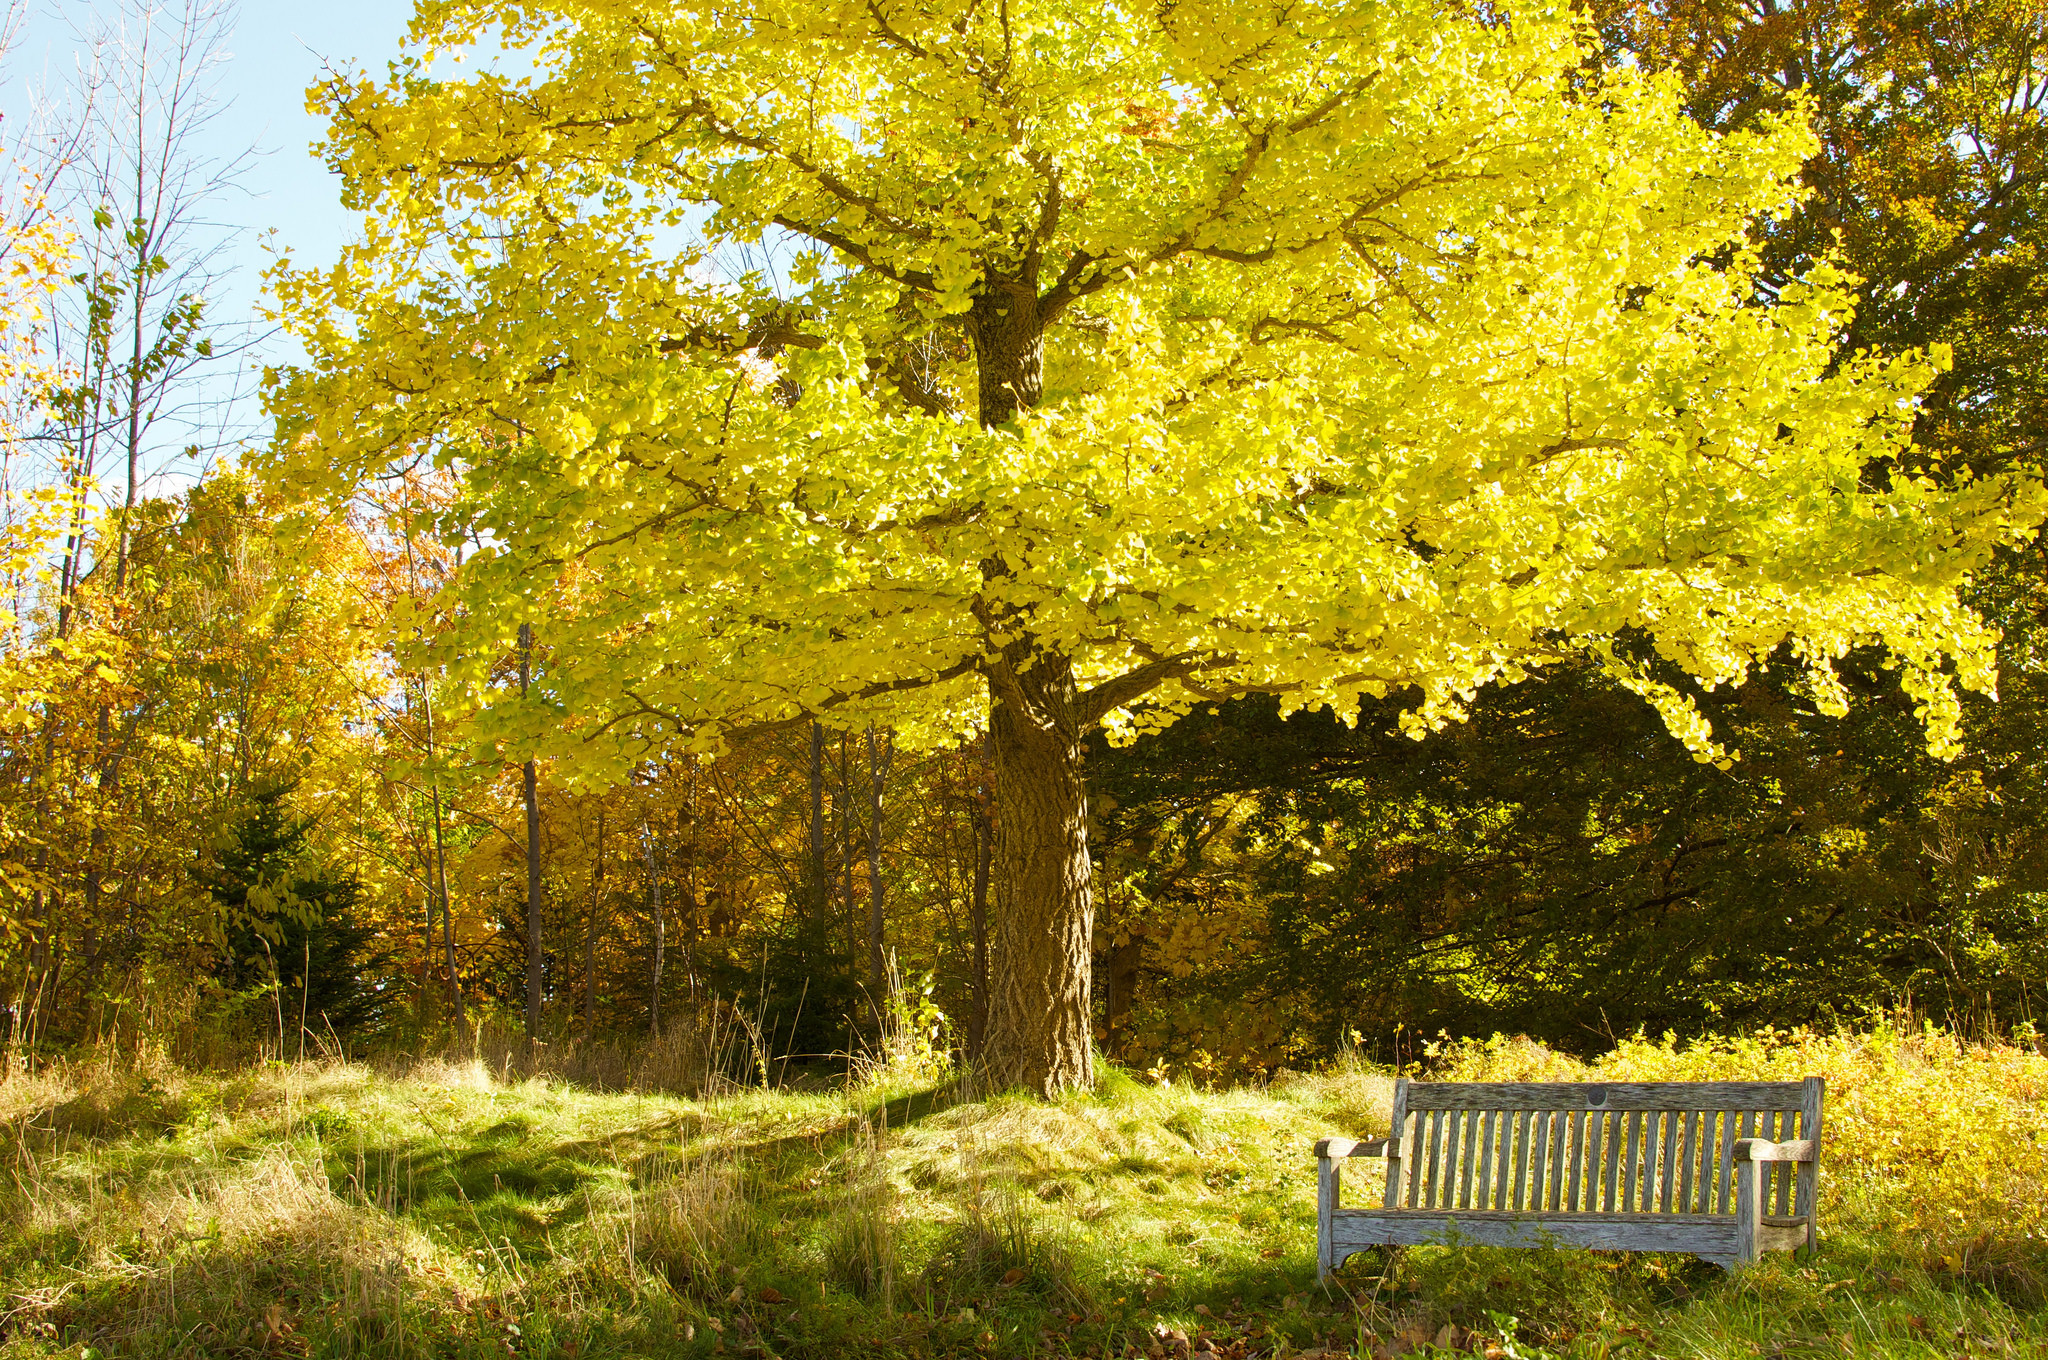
1125,360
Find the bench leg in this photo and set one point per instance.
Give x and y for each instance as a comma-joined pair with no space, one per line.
1329,1180
1748,1211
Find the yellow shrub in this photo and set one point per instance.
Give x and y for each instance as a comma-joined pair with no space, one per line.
1929,1139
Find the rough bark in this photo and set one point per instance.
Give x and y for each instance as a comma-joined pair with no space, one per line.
1040,1010
1040,1014
1009,348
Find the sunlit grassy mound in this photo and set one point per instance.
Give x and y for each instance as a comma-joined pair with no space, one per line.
336,1210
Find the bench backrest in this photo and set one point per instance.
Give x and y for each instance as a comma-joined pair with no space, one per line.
1594,1148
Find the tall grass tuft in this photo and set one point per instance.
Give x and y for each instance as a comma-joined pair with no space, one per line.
861,1241
999,1243
691,1218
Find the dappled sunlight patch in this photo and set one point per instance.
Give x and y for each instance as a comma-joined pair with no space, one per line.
468,1074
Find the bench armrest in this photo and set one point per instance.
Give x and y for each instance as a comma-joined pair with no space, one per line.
1764,1150
1349,1147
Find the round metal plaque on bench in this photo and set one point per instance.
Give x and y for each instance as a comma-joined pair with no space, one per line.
1596,1095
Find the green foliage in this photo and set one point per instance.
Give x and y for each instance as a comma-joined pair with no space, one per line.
291,925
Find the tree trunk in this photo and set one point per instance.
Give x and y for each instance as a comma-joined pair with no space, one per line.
660,933
590,932
1125,960
441,880
530,784
1040,1020
1040,1012
977,906
817,886
881,747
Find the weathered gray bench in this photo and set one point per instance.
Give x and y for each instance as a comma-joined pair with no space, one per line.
1723,1170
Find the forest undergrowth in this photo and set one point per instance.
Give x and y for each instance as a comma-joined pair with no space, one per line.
450,1208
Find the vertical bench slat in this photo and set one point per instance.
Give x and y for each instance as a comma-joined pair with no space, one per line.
1575,1152
1596,1130
1418,1158
1646,1165
1468,1149
1724,1165
1549,1158
1767,1176
1472,1185
1486,1132
1653,1136
1522,1156
1782,1201
1631,1171
1454,1129
1710,1151
1669,1163
1436,1146
1447,1194
1606,1158
1688,1154
1402,1141
1502,1194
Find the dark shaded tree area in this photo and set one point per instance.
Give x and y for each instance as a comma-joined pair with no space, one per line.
1560,865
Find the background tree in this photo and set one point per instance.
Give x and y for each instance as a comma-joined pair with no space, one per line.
1555,867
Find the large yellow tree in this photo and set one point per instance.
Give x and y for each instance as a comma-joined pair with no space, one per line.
1127,357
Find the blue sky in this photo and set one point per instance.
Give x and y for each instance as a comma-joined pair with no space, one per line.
276,51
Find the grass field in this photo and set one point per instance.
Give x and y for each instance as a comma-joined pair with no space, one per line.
339,1209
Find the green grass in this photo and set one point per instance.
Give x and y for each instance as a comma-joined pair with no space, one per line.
333,1210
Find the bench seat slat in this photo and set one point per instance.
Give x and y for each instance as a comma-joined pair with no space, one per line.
1653,1095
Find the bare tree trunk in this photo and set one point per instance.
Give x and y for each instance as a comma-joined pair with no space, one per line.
977,908
590,931
816,884
530,785
660,930
1125,960
1040,1011
440,865
845,804
881,750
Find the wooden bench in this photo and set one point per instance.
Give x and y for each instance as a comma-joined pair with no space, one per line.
1723,1170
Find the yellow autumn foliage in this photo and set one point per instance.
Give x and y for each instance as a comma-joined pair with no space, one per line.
1932,1140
